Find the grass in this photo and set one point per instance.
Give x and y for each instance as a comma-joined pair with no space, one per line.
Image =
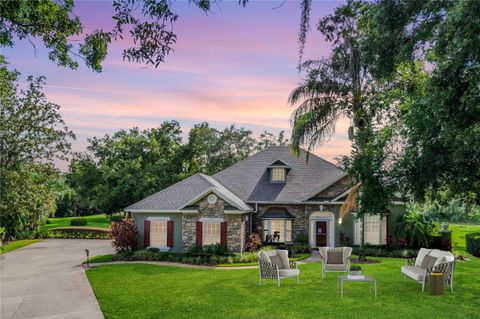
108,258
300,257
17,244
100,220
101,259
458,235
150,291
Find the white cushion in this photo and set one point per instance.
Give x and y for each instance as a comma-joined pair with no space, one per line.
283,255
442,256
288,272
414,272
263,256
421,254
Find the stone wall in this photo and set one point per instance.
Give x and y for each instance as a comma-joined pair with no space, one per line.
334,190
300,223
235,225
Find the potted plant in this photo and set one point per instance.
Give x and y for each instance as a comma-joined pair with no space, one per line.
355,270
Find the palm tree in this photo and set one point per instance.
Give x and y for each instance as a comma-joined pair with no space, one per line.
335,87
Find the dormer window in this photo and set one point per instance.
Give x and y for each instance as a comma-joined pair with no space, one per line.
278,174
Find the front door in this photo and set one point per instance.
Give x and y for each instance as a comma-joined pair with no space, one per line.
321,234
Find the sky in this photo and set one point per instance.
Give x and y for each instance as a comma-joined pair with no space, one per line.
234,65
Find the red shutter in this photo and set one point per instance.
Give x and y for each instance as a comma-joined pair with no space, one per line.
223,234
146,233
170,233
199,233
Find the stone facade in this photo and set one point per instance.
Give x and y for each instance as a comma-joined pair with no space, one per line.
236,224
334,190
301,213
300,223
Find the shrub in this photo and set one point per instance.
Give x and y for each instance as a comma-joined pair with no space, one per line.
79,233
254,242
299,249
416,226
78,222
301,239
124,235
473,243
355,268
214,249
115,218
378,251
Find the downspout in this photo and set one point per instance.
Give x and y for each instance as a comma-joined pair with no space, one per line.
251,214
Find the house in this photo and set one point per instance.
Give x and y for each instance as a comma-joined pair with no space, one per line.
272,191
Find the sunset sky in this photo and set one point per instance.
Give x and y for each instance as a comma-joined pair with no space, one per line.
235,65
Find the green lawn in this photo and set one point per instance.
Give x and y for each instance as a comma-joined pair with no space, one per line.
100,220
17,244
458,235
149,291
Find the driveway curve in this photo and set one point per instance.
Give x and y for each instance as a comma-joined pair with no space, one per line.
46,280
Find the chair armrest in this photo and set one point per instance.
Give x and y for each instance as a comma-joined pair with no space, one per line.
293,265
410,261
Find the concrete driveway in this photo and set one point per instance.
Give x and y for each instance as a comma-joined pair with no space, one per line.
46,280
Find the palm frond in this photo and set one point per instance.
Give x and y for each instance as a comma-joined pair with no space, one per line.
351,202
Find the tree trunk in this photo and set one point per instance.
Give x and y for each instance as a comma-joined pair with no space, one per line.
361,253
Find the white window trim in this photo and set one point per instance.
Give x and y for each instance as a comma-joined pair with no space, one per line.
158,218
284,228
211,220
284,170
380,227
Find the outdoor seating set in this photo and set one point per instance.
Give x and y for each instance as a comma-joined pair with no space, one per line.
275,265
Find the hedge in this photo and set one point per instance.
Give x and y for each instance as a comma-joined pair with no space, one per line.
473,243
78,222
79,233
380,251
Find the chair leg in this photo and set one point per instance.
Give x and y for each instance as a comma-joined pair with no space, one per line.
278,281
260,281
423,285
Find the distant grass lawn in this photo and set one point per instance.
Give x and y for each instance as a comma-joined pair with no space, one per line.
17,244
458,235
149,291
100,220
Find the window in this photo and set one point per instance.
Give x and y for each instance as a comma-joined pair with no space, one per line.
375,230
282,227
158,233
278,174
211,233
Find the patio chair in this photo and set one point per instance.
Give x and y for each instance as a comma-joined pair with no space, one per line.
335,259
428,260
274,264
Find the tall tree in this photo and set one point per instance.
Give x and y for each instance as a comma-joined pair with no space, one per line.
210,150
341,86
430,51
32,134
133,164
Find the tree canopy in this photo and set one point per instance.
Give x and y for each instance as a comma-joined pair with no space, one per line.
148,23
430,51
32,134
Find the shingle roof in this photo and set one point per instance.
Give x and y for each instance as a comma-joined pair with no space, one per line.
184,192
249,179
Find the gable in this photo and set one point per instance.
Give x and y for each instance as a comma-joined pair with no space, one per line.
333,191
249,179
